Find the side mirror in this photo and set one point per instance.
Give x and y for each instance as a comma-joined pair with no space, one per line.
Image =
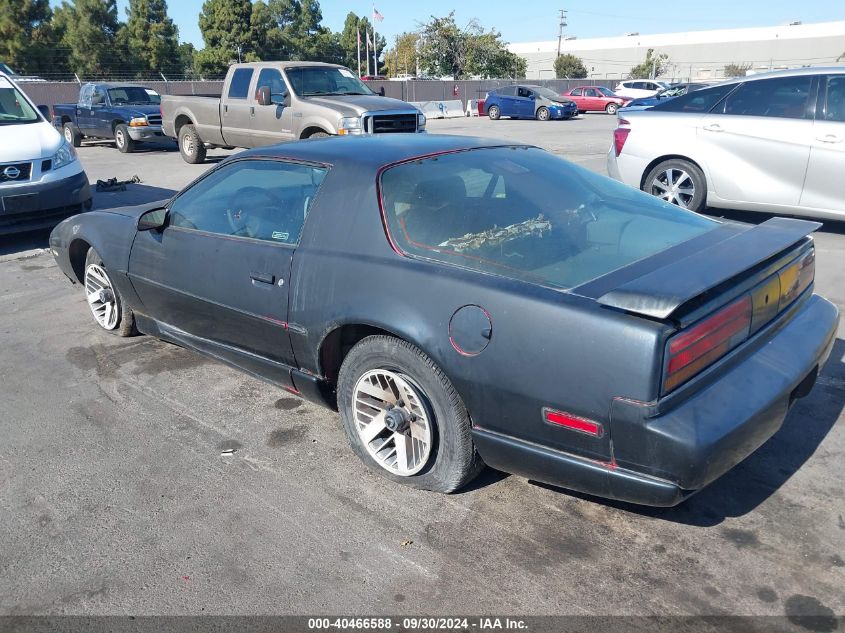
45,112
381,91
286,100
153,220
263,96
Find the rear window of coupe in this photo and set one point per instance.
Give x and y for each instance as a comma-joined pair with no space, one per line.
525,214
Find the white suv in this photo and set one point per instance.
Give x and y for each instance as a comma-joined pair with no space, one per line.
639,88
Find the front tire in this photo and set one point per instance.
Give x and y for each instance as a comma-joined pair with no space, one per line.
190,145
678,181
543,114
122,139
107,306
611,108
422,438
72,135
494,113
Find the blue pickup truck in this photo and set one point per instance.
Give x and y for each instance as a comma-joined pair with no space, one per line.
126,113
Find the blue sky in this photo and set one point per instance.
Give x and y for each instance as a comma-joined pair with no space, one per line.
531,21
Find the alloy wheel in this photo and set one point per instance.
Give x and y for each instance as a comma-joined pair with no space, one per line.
68,136
101,297
120,140
393,421
675,186
188,145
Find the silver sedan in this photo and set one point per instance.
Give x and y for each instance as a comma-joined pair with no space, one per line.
772,142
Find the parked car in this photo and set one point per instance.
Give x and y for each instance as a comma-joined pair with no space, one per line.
41,179
272,102
675,90
596,99
772,142
465,301
638,88
528,102
126,113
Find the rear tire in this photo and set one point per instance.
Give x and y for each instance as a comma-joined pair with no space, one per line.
122,139
191,146
543,114
107,306
611,108
678,181
494,113
440,454
72,135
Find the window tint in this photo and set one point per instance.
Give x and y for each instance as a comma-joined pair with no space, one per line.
591,93
525,214
835,104
638,85
134,95
507,91
698,101
259,199
525,92
99,97
14,108
272,79
577,92
310,81
784,97
239,88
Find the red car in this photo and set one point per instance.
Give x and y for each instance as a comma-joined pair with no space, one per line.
596,99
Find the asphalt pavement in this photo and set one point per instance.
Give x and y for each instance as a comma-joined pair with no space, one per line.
119,492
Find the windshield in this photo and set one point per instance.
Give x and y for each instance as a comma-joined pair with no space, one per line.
526,214
607,92
549,94
14,108
310,81
134,95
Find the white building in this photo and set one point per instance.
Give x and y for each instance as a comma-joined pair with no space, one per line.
697,54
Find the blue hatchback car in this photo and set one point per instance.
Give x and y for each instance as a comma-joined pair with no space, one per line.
528,102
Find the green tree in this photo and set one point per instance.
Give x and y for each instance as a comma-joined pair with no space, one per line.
736,70
348,42
402,58
226,27
489,57
652,67
570,67
90,32
152,38
20,24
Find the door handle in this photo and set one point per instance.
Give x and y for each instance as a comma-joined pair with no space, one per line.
264,278
713,127
252,111
829,138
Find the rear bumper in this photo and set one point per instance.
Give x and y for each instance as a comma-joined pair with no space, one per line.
662,457
43,205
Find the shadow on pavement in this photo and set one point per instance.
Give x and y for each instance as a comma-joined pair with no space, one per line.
754,480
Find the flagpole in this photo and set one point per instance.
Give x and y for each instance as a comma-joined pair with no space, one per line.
367,35
358,30
375,43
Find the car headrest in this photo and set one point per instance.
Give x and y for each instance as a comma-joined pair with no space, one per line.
437,193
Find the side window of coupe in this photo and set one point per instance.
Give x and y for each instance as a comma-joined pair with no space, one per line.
257,199
835,105
782,97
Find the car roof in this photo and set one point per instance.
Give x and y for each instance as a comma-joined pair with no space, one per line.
374,151
791,72
116,84
289,64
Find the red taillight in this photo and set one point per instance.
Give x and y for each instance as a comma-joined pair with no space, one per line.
620,135
573,422
694,349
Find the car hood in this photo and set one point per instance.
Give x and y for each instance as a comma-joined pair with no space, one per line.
138,210
140,110
28,141
356,105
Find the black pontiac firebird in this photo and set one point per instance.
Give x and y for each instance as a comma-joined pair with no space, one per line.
463,301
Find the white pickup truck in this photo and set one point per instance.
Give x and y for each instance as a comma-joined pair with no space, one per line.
264,103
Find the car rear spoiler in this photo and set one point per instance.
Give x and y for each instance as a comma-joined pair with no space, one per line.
659,293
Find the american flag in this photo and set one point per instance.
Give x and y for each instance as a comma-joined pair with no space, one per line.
376,15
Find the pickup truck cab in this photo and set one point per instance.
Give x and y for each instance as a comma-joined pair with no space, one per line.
127,113
41,179
264,103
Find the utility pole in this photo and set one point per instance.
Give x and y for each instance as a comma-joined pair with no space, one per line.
560,30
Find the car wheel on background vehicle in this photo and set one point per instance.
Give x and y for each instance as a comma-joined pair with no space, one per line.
319,134
190,145
122,139
109,310
611,108
679,182
403,417
543,114
72,135
494,113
